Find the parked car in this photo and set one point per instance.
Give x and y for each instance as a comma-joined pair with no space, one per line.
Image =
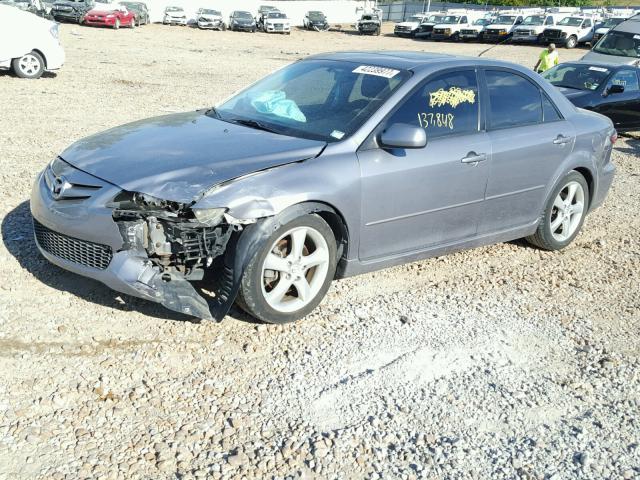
140,11
71,10
475,31
570,32
268,197
610,89
410,27
33,6
207,18
277,22
262,13
241,21
29,45
603,29
315,20
620,45
426,27
369,24
116,17
530,30
450,27
174,16
502,28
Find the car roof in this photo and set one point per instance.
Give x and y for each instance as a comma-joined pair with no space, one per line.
630,25
409,60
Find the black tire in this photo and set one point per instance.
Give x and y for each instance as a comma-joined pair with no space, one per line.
33,69
543,237
116,25
250,296
223,27
377,32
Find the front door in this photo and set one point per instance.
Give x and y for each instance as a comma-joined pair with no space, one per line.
623,108
413,199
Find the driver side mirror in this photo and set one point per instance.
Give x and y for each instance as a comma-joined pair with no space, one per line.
400,135
615,88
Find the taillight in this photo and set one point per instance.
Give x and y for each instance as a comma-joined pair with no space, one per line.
614,137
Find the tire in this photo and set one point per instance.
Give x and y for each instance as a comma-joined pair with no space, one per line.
539,41
132,23
30,65
572,41
258,281
377,32
116,25
550,237
223,27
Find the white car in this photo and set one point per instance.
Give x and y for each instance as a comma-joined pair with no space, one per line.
174,16
29,45
570,31
277,22
207,18
409,28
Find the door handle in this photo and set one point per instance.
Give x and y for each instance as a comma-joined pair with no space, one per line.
474,158
561,140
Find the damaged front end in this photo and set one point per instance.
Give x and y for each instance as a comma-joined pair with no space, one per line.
172,245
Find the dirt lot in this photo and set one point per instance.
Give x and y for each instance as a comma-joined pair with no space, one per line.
501,362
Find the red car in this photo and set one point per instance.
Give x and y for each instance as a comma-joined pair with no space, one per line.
112,18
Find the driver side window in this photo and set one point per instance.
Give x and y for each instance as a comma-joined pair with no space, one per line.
445,105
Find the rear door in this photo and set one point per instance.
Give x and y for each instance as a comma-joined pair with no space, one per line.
623,108
413,199
529,139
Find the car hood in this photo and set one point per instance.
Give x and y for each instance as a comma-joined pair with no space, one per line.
475,28
409,24
178,157
617,59
500,26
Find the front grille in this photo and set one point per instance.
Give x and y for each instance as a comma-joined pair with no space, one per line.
426,28
74,250
402,28
552,33
468,32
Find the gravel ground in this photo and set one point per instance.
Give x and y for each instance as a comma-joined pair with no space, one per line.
500,362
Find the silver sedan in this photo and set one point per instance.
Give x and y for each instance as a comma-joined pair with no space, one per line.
335,165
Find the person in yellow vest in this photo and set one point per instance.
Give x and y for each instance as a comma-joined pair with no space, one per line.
548,58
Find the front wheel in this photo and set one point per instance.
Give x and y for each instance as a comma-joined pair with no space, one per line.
29,66
292,272
132,23
116,25
571,42
564,213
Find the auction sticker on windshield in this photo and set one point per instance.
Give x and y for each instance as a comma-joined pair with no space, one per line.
598,69
377,71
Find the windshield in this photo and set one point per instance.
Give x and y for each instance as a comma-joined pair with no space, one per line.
482,22
450,19
505,19
612,22
433,19
209,12
174,9
623,44
577,76
415,18
316,15
315,99
276,15
570,21
534,20
242,15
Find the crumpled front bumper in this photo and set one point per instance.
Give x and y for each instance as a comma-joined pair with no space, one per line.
130,271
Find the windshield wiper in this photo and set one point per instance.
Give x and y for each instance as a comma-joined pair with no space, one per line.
212,112
253,124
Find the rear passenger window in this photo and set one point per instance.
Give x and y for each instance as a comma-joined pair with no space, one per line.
513,100
445,105
549,111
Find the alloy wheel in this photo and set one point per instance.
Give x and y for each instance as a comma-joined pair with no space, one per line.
29,65
567,211
295,269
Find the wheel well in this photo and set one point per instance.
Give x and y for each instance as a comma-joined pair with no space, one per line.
586,173
339,228
42,55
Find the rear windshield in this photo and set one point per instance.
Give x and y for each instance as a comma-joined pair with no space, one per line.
623,44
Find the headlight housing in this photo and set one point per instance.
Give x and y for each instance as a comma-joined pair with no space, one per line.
209,216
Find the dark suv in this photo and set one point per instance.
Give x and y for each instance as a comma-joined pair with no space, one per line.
71,10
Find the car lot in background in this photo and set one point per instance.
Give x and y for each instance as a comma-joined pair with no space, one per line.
174,16
242,21
29,44
115,18
609,89
71,10
621,44
140,11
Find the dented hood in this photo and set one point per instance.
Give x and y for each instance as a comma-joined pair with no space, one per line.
177,157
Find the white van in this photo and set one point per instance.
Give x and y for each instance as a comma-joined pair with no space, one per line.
29,45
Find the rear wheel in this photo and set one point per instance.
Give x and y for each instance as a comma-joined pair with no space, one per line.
30,65
564,213
292,272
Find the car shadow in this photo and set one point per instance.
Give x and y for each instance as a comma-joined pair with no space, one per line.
633,144
17,236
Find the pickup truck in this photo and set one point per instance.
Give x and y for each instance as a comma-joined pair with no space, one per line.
410,28
449,28
530,31
502,28
570,31
475,31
